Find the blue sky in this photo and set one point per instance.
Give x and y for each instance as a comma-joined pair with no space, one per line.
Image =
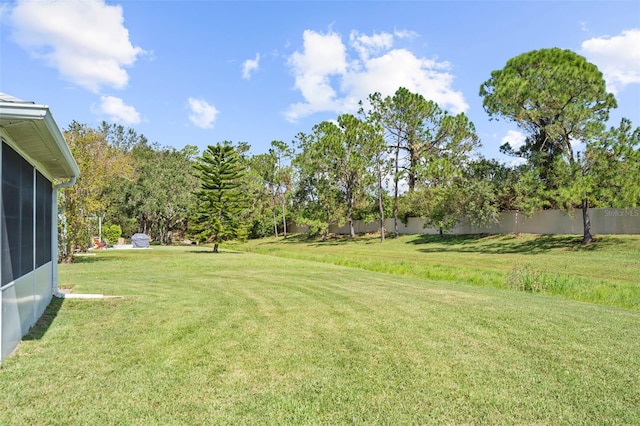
200,72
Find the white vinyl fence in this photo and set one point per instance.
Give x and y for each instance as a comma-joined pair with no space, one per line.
603,221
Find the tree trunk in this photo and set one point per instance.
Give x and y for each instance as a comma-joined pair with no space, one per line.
275,223
326,228
161,234
395,192
414,156
352,231
586,222
284,218
380,203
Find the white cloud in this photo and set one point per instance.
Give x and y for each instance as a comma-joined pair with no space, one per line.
117,111
366,45
249,66
515,138
323,56
617,57
400,67
405,34
329,80
86,41
203,114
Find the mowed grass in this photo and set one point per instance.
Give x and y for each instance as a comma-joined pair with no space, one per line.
242,338
606,272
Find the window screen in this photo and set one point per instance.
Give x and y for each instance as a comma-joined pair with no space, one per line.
17,215
43,220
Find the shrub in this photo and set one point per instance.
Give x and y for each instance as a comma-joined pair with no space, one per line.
111,234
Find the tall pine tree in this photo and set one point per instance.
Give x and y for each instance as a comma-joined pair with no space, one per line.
557,98
221,198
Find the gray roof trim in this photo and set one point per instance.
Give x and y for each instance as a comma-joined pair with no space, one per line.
20,119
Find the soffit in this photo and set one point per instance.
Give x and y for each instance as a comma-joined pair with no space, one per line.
34,133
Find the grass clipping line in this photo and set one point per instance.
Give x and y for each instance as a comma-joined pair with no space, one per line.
248,339
604,272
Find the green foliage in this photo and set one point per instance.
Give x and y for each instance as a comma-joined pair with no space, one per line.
259,181
162,194
529,190
269,181
557,97
496,178
129,225
479,202
404,157
368,209
317,227
427,145
468,194
111,233
554,94
222,197
605,174
102,168
283,153
350,147
611,167
319,197
140,186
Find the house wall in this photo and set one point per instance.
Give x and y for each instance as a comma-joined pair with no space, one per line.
10,324
26,263
23,302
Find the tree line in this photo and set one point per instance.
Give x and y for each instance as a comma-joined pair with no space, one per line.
400,156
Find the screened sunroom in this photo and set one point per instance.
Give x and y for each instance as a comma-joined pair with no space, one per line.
35,163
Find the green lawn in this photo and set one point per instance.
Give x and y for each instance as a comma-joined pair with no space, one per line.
243,338
607,272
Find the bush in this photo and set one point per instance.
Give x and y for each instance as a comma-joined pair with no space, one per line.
111,234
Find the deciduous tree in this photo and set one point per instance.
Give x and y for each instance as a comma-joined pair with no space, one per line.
261,182
101,167
158,199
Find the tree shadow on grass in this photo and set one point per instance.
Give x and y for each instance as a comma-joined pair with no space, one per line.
317,241
340,240
293,239
41,326
510,243
210,251
94,259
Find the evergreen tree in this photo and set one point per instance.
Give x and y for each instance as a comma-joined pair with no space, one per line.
423,139
222,199
558,98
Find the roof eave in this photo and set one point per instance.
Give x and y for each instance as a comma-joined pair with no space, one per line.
41,116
